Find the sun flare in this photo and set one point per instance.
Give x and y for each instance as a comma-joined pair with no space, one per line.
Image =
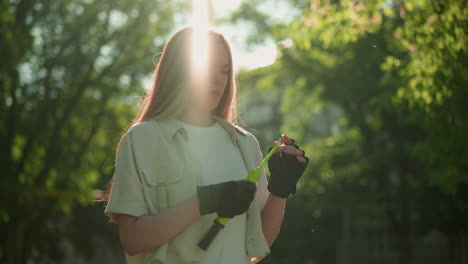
200,38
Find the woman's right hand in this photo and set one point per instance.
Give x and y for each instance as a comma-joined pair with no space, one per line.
227,199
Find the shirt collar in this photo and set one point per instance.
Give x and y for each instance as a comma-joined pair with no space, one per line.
171,126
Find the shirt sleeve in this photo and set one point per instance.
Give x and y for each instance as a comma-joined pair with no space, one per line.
126,194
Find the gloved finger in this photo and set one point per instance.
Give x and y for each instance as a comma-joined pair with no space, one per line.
303,165
291,150
292,159
303,152
243,202
281,148
301,159
286,139
293,191
278,149
272,145
299,148
241,209
248,191
247,195
246,199
247,187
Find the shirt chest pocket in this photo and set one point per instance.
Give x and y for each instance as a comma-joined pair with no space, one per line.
159,163
162,170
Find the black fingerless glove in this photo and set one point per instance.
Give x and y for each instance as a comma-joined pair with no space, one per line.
285,172
227,199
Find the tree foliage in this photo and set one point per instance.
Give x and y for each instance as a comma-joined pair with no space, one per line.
69,71
374,91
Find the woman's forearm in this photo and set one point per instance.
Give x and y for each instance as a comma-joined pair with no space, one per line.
139,234
272,217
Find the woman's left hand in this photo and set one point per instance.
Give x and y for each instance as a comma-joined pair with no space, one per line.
286,166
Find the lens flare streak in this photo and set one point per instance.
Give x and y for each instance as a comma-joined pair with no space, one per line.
200,34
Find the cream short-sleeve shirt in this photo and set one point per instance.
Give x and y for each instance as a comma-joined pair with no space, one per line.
127,194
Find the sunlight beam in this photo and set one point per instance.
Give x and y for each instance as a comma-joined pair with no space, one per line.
200,24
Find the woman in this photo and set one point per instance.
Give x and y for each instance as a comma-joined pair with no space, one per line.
182,163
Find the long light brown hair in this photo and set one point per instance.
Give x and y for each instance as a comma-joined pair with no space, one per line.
166,98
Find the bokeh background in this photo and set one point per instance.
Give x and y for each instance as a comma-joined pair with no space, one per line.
375,92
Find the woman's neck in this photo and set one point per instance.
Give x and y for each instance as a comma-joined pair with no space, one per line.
198,117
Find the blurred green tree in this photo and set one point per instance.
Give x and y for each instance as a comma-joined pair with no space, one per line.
68,71
374,91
